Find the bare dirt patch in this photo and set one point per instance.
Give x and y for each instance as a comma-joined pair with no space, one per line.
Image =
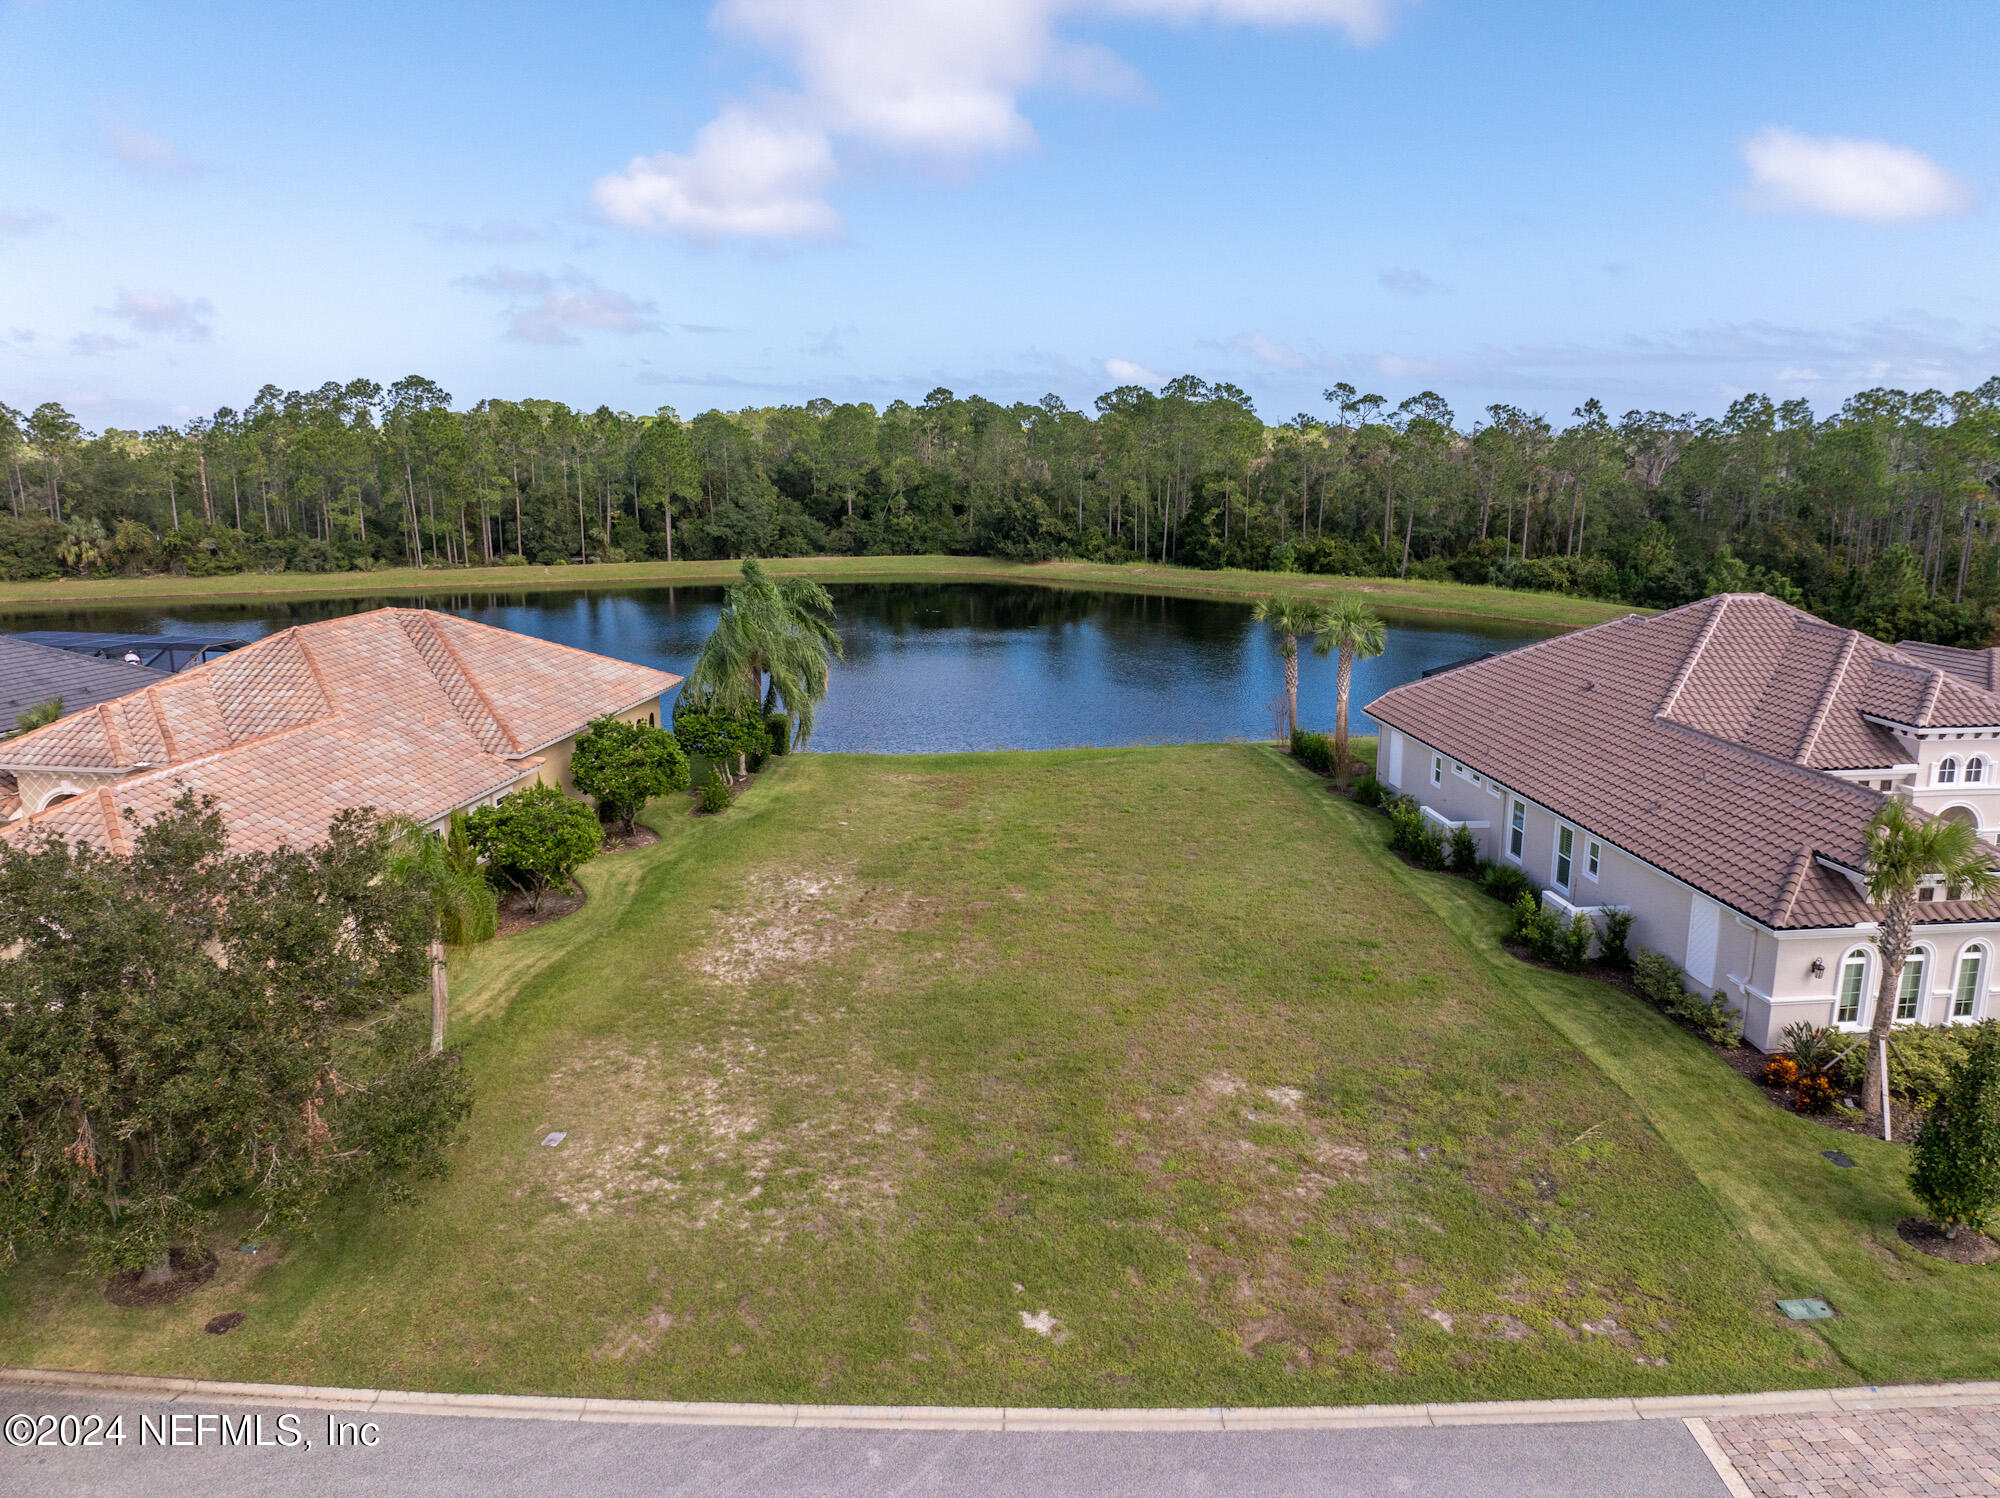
617,840
1969,1247
723,1137
789,921
517,912
192,1267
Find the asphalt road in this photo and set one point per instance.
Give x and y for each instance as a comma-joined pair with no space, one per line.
418,1456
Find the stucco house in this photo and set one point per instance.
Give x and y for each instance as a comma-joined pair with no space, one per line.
1713,769
414,713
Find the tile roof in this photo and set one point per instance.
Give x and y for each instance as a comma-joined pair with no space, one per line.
1697,739
405,710
32,673
1980,667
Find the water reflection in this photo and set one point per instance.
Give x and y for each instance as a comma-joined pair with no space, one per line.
945,666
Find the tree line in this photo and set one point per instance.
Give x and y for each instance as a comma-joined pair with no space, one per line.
1879,514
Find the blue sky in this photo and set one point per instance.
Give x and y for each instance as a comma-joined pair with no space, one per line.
767,200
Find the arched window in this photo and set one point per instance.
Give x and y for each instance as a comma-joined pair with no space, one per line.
1970,982
1947,772
1975,770
1910,990
1853,980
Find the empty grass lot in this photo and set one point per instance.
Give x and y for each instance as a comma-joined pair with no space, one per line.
1158,1049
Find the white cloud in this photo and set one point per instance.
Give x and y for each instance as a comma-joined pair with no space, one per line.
552,309
1406,282
157,312
1270,351
1125,372
19,222
1869,180
748,176
145,152
918,79
95,345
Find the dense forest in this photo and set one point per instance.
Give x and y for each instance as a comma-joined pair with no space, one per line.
1880,515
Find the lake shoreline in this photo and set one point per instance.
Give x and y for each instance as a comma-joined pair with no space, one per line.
1390,597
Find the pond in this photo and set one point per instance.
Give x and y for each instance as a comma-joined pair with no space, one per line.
939,667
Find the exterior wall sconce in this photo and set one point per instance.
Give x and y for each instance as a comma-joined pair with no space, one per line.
1818,968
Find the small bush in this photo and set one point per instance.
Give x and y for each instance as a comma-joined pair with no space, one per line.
1955,1166
1712,1018
1507,884
1368,791
1658,978
515,559
780,729
1819,1050
1464,851
1539,929
1616,947
1815,1095
715,792
1921,1061
1406,825
1313,750
1573,943
1779,1071
1428,847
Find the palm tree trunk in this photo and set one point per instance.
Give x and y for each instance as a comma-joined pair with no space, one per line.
1292,682
1893,942
1343,680
440,979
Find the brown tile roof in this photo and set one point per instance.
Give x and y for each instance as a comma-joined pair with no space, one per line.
1695,740
1980,667
408,711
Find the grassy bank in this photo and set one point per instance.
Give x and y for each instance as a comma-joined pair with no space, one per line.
864,1077
1389,595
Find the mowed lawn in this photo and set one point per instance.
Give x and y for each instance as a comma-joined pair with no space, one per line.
1139,1076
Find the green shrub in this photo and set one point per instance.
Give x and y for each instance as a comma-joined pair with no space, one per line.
1616,948
779,726
535,839
1573,943
717,736
1313,750
624,765
1921,1061
1428,846
1955,1166
1464,851
1406,824
1507,884
715,792
1818,1050
515,559
1658,978
1368,791
1538,928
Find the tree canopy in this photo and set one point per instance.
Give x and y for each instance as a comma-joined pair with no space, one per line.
625,765
185,1025
1878,514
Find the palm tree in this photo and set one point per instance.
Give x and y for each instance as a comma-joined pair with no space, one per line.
1905,849
443,875
1358,633
1290,618
771,650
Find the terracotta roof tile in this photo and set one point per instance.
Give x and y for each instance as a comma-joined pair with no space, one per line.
1696,740
407,711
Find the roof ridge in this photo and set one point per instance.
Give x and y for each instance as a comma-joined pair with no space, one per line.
1694,655
1818,777
1793,884
1930,697
120,752
1826,701
1515,653
318,676
465,671
160,722
108,808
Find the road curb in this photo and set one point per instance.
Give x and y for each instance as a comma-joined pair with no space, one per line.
1695,1407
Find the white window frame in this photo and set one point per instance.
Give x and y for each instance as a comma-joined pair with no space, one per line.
1945,771
1437,769
1562,878
1920,959
1978,953
1857,958
1593,858
1975,770
1517,829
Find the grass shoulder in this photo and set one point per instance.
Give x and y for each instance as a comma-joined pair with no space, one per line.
1449,600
